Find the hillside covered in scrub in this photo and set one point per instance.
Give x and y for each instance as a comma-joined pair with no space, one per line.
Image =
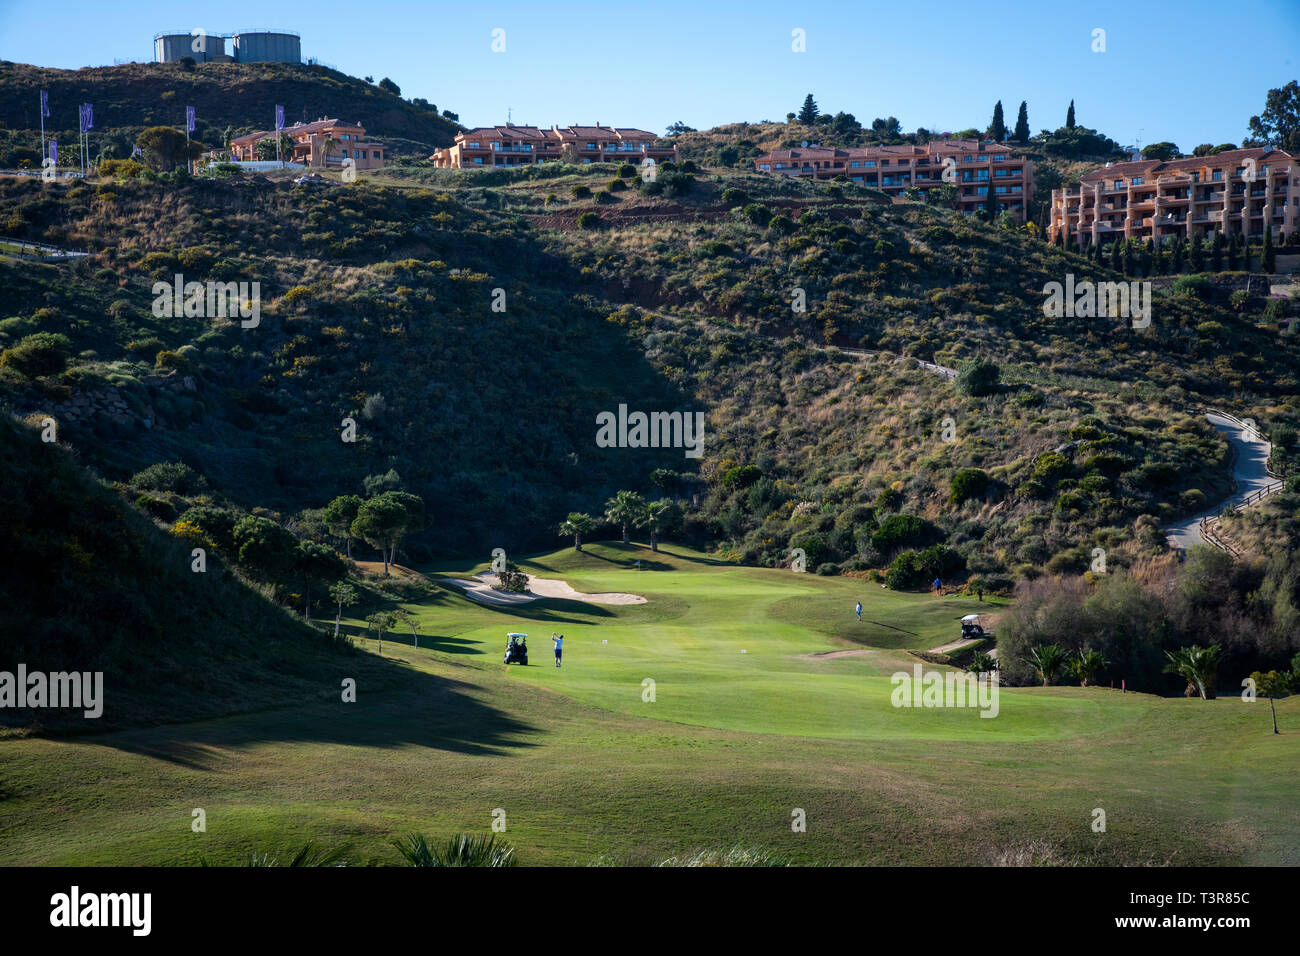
88,583
475,325
227,98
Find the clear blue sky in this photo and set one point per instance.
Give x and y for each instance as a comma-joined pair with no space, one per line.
1190,71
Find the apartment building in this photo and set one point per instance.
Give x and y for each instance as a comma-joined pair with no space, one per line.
972,166
310,141
512,145
1238,191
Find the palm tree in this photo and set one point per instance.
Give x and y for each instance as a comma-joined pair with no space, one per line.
657,516
328,147
982,663
1196,665
577,524
462,850
1047,661
1086,666
625,509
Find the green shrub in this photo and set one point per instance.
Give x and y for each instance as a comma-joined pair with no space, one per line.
589,220
758,214
159,508
968,483
580,191
734,197
978,378
38,354
174,476
904,572
897,531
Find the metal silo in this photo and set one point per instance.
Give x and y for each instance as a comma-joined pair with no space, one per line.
268,47
171,47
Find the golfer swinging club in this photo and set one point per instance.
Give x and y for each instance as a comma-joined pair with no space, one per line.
559,643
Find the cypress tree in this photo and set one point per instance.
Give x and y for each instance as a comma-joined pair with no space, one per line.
1021,135
998,128
1245,248
1178,255
991,201
1197,256
1234,247
1216,252
1147,257
1116,262
1268,258
1069,116
1129,264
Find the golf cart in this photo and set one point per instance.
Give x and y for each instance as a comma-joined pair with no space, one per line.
517,649
971,627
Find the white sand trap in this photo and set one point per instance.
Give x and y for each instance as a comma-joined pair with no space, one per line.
832,655
479,588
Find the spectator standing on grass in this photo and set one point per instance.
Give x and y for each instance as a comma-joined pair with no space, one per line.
859,610
938,586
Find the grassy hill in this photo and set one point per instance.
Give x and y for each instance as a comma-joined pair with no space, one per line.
241,96
89,584
590,771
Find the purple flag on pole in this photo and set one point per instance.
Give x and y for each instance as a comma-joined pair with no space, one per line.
90,116
189,118
279,117
54,152
45,104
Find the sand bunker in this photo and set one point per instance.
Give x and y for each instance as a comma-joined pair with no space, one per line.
479,588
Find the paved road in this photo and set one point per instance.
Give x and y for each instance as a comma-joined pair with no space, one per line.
1249,468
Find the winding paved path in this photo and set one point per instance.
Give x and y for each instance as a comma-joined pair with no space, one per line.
1249,469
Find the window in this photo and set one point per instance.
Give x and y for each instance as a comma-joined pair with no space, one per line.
869,163
983,159
857,179
1218,176
1119,184
478,159
778,166
1000,158
766,167
591,145
855,165
1137,180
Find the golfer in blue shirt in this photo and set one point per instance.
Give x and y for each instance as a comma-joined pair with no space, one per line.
559,643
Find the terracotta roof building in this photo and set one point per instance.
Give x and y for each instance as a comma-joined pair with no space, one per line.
972,166
1236,191
512,145
309,144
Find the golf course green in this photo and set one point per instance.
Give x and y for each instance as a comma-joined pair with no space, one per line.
704,719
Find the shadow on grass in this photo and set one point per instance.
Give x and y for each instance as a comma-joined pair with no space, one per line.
410,708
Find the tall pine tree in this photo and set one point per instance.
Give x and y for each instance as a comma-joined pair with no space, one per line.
1021,134
808,112
1069,116
998,128
1268,258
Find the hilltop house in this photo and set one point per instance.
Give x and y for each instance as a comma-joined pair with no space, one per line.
1236,191
344,141
512,145
972,166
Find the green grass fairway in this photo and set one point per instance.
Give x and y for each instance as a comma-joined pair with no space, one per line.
586,769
